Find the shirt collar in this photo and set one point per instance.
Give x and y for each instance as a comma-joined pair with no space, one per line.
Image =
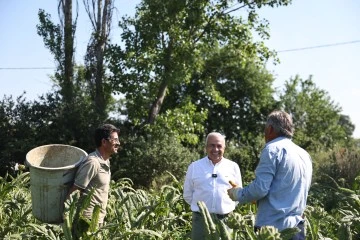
210,162
277,139
97,153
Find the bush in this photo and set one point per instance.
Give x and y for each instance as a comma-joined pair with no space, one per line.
146,158
341,164
247,156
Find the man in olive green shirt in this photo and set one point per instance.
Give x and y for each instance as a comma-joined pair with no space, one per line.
94,172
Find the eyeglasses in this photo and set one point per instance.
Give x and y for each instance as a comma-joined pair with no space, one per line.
114,140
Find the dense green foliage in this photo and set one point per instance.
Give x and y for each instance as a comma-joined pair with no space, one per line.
185,68
174,45
163,214
318,120
198,64
28,124
146,159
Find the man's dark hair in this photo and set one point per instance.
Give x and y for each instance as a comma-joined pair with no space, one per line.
103,132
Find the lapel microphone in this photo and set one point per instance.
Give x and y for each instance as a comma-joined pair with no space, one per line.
214,175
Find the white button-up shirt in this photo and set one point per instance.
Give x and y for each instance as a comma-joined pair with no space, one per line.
209,183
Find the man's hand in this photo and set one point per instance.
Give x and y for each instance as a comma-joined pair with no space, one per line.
234,185
233,192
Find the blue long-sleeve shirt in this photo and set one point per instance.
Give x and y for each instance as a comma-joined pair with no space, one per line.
281,185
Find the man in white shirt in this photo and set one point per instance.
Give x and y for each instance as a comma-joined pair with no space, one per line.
207,180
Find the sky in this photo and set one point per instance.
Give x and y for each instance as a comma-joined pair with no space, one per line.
319,38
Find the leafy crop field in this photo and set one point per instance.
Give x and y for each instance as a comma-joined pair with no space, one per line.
333,213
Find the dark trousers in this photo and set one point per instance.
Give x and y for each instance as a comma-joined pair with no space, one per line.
300,235
198,225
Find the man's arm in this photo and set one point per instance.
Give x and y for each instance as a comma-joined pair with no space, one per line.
73,189
188,187
259,188
238,178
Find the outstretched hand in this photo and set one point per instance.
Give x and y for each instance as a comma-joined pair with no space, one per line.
233,192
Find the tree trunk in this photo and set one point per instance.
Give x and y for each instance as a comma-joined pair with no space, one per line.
156,106
68,51
101,20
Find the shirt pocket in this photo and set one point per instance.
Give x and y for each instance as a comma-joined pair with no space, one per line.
224,178
103,176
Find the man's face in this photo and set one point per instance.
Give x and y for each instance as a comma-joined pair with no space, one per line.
113,143
215,148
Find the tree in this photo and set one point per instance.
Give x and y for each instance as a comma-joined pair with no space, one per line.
168,41
74,111
318,120
69,34
59,39
24,125
239,99
100,15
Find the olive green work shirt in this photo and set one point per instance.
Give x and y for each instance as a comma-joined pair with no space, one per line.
94,173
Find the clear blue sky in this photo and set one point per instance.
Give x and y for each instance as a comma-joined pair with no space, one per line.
305,23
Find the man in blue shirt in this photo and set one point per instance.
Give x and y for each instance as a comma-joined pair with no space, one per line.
283,178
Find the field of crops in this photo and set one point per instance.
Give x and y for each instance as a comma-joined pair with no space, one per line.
333,213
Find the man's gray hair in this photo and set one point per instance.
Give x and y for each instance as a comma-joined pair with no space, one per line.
217,134
282,123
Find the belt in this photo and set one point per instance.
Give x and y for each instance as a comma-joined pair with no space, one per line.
222,216
219,216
